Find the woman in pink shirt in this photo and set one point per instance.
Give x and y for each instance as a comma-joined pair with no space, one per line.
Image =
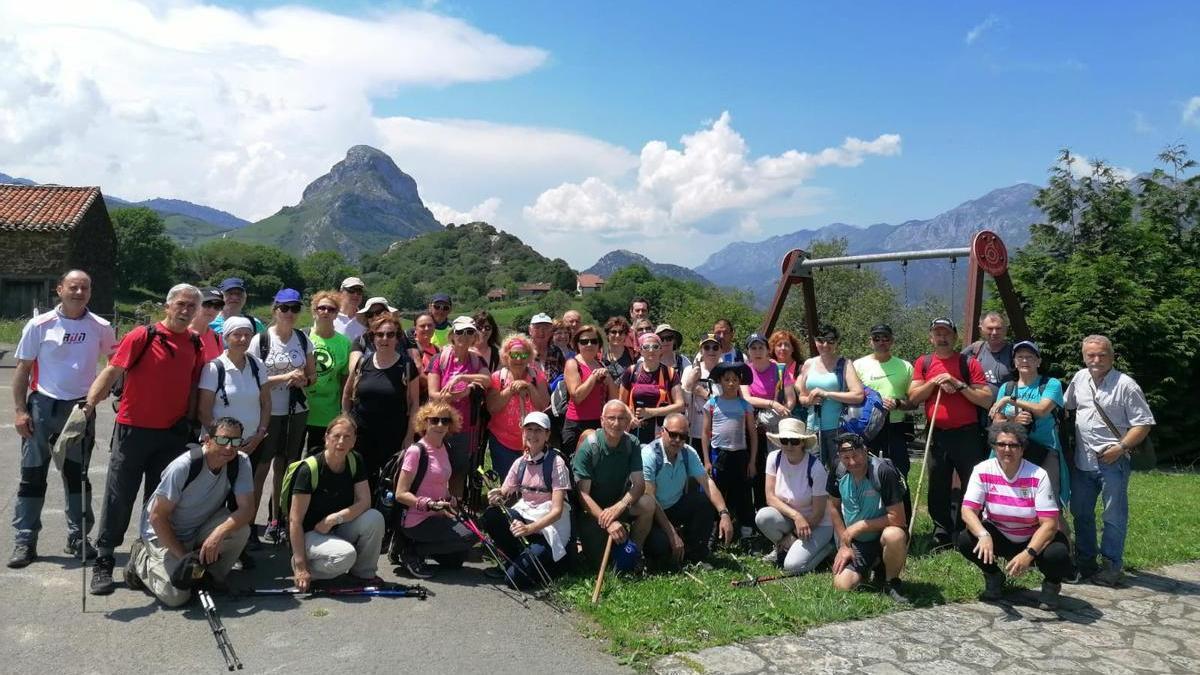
516,391
428,528
1020,519
460,377
589,386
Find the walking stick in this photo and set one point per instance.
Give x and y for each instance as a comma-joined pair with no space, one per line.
603,567
924,459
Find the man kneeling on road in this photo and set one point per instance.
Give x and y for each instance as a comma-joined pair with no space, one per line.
198,518
683,512
866,502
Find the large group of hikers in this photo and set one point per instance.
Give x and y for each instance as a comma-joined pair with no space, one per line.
603,442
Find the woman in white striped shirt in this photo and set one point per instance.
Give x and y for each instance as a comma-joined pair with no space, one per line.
1019,519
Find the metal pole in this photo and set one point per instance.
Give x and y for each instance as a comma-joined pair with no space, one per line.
883,257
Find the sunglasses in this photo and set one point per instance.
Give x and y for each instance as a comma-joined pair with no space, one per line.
881,338
617,332
385,334
326,308
226,440
676,436
442,306
465,331
651,347
583,342
215,304
791,441
520,356
295,309
711,347
357,290
440,421
825,341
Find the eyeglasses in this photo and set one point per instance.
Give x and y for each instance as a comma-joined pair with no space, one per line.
357,290
441,306
709,347
1007,445
465,331
791,441
676,435
651,347
385,334
215,304
643,331
440,421
520,356
616,418
295,309
326,308
583,342
233,441
848,448
1025,357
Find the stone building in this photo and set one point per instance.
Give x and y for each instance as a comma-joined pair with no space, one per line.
46,230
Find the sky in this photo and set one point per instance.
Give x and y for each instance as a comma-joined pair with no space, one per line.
668,128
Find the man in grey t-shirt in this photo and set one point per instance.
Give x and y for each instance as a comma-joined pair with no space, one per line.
190,516
994,351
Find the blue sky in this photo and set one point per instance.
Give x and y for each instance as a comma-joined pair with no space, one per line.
979,95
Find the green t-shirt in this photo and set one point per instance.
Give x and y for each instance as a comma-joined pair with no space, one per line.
890,379
332,356
440,337
607,468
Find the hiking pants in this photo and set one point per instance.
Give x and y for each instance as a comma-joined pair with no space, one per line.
49,415
520,565
729,473
805,554
892,443
693,517
154,564
1054,562
350,547
952,451
139,456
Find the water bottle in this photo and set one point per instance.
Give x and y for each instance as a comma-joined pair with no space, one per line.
389,498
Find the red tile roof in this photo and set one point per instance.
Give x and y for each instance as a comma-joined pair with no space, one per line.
539,286
44,208
590,280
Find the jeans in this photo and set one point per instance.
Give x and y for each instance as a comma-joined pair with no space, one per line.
49,415
520,564
1111,484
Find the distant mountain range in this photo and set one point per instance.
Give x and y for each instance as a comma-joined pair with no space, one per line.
621,258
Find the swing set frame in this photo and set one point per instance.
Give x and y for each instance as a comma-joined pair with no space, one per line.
986,253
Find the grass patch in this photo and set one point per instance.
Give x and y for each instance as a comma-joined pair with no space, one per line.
656,615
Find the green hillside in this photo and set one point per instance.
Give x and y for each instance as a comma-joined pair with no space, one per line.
188,231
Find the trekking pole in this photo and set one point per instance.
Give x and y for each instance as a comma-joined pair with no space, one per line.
83,468
603,567
754,581
219,632
497,555
924,459
489,483
384,591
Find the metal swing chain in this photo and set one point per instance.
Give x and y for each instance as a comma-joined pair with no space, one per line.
953,279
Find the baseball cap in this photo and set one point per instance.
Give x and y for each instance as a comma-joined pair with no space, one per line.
378,300
943,321
537,417
881,329
210,294
352,282
665,331
1027,344
286,295
231,283
753,338
709,337
439,297
540,317
236,323
462,323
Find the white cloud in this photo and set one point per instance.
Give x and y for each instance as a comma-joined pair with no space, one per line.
1083,167
979,29
484,211
1191,111
711,186
237,109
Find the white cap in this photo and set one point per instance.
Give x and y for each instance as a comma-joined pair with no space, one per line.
463,322
541,317
234,323
539,418
351,282
380,300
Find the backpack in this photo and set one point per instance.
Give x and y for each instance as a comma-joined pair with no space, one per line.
547,472
660,457
289,479
197,465
393,512
812,459
1010,389
664,392
865,419
220,365
876,464
295,396
118,386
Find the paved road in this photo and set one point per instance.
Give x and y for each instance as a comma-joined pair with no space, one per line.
1149,627
470,625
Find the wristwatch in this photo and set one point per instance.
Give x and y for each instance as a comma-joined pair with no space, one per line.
723,512
960,386
1032,553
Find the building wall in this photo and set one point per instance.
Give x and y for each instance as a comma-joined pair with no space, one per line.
93,249
30,264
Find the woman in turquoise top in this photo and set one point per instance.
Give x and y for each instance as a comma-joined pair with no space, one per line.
824,392
1033,401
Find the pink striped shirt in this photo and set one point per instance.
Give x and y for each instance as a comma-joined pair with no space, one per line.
1013,506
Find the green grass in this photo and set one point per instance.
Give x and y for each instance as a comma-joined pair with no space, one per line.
644,618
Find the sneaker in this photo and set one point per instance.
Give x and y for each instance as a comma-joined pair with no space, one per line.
275,533
1110,576
22,555
495,573
132,580
72,548
416,568
993,586
102,575
892,590
774,557
244,562
1048,599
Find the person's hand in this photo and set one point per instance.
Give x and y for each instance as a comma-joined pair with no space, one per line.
751,469
210,550
610,515
950,387
1111,454
725,528
1024,417
253,442
89,410
324,525
889,404
816,395
297,379
637,418
997,407
943,379
617,531
520,530
303,580
984,551
802,529
708,468
845,556
495,497
1019,564
677,547
24,424
780,408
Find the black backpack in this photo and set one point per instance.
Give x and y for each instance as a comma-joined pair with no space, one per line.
118,387
231,472
393,511
812,459
221,376
296,396
547,472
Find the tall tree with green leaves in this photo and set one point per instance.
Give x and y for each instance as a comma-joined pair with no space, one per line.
146,257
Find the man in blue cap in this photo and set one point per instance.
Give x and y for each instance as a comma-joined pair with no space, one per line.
233,290
439,309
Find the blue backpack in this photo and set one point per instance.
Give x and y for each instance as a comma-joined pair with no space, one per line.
865,419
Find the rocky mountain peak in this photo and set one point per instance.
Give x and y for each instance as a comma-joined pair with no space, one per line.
366,169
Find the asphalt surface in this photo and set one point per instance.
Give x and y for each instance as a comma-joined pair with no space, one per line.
468,625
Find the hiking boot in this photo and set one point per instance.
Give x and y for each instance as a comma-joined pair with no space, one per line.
72,548
993,586
892,589
22,555
416,568
102,579
1048,599
132,580
1110,576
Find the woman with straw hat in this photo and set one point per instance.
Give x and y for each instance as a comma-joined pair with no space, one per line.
795,518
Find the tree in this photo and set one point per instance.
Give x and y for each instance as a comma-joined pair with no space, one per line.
324,270
145,255
265,269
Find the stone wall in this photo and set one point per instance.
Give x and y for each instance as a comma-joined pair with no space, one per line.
93,249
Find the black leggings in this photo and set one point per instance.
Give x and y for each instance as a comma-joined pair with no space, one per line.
520,563
1054,562
729,473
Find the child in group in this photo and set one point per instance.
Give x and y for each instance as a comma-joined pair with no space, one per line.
728,427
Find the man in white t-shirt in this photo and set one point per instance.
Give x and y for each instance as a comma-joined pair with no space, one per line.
65,344
347,323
